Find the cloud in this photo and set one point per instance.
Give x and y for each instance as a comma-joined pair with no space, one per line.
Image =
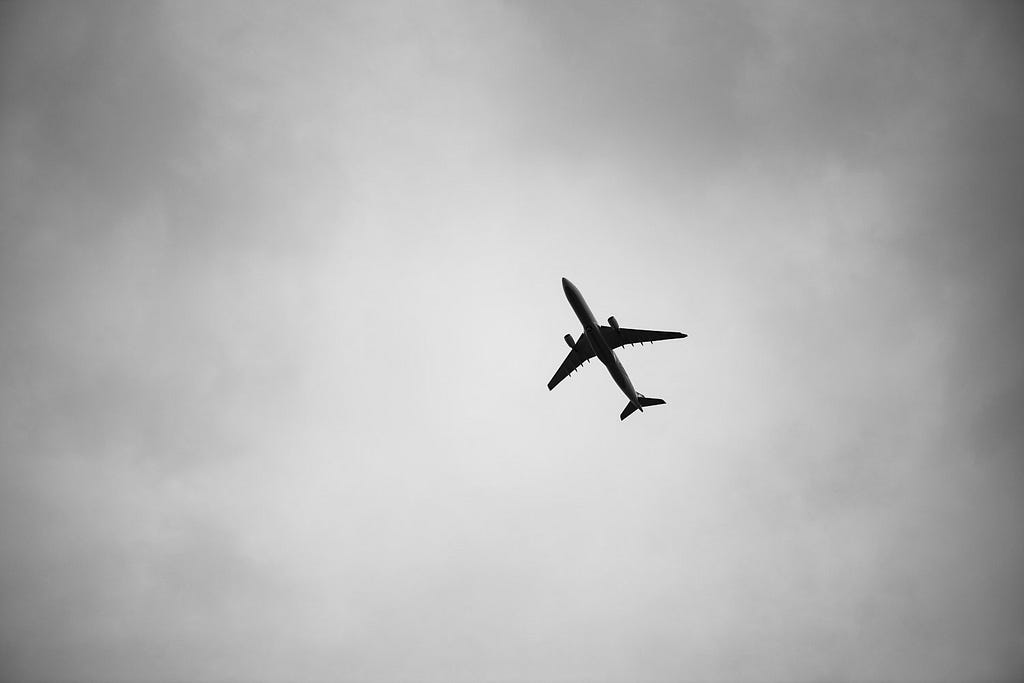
277,292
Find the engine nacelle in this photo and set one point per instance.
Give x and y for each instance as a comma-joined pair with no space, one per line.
614,323
569,341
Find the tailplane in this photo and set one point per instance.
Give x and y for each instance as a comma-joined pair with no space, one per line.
644,403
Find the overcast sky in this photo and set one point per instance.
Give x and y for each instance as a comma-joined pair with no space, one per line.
280,294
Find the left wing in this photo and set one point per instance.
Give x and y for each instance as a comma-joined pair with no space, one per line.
581,352
625,336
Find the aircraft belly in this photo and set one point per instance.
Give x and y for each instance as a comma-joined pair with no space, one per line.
623,381
597,343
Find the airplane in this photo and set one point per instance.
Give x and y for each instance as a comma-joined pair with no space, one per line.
601,341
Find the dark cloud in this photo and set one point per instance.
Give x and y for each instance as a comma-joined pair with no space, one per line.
853,84
96,106
625,82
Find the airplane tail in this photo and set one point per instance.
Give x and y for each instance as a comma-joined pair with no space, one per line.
644,402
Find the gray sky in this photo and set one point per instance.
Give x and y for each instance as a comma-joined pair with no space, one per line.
279,297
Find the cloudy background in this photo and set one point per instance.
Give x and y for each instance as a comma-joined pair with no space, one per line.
279,297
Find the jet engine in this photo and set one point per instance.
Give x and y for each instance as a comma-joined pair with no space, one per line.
569,341
614,323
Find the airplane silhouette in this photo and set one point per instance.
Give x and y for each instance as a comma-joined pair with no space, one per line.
600,340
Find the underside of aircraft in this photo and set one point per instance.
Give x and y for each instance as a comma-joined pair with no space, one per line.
600,341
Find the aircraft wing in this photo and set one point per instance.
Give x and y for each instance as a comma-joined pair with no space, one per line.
580,354
625,336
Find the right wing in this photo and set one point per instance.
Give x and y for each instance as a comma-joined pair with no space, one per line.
580,353
625,336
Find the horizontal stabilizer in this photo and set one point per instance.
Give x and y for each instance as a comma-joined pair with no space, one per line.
644,401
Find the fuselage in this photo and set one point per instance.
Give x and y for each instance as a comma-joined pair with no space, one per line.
603,352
